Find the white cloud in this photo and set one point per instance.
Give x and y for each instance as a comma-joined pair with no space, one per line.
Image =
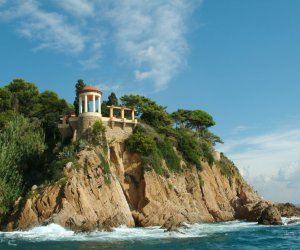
145,75
110,87
151,35
2,2
282,186
240,128
81,8
91,62
270,162
48,28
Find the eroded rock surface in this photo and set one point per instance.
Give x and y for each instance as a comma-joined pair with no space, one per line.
85,199
89,198
270,216
288,209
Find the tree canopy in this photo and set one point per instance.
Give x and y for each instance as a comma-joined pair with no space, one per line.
78,87
21,142
48,111
148,111
24,96
112,100
5,99
194,119
28,137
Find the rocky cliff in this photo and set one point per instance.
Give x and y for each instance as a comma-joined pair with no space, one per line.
91,196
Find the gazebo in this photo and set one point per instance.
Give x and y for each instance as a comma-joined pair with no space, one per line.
119,125
90,94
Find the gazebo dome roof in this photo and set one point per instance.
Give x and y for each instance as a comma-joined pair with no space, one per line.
90,89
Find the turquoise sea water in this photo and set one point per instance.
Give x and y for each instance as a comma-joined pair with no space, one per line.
228,235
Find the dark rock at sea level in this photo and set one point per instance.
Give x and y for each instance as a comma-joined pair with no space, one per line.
288,209
293,221
270,216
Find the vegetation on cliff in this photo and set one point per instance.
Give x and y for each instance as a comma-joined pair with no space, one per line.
29,138
21,147
161,133
32,152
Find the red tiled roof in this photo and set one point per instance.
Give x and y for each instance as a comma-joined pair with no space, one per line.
90,89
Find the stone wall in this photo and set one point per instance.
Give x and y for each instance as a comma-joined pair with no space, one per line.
118,131
86,121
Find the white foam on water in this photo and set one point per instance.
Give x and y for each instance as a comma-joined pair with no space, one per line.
286,220
53,232
41,233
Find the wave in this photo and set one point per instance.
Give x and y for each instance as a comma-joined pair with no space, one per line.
294,219
54,232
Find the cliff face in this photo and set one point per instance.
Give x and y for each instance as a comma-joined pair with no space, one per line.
88,197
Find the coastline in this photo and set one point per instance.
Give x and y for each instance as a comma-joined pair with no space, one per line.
210,235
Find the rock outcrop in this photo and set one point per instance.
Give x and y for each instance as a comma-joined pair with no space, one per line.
91,197
270,216
85,199
288,209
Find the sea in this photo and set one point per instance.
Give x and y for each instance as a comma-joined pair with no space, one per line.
227,235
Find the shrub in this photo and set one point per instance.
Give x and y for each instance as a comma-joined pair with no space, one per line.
152,161
98,134
104,165
201,181
189,148
142,143
166,149
67,154
206,153
21,146
62,182
153,148
106,169
227,168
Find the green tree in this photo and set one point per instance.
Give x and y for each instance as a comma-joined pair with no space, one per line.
180,117
78,87
200,120
6,111
24,96
112,100
5,100
189,147
194,119
156,118
21,143
210,137
48,111
140,103
149,111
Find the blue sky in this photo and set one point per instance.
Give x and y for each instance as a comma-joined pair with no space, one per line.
238,60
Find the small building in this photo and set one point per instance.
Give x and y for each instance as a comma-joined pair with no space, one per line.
119,125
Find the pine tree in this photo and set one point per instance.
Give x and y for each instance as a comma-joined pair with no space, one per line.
78,87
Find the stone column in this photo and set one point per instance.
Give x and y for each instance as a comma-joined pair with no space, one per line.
85,103
111,112
122,113
99,104
132,114
80,104
94,103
